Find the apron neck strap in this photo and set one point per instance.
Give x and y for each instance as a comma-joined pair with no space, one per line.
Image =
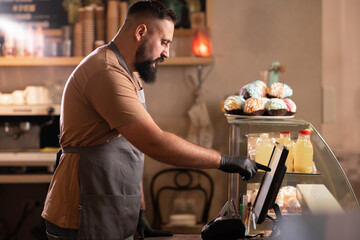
121,61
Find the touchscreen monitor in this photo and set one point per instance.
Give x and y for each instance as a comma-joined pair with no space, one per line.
271,183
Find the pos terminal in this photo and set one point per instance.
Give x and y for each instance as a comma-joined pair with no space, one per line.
232,226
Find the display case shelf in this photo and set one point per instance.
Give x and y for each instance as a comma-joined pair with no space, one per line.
74,61
292,177
329,172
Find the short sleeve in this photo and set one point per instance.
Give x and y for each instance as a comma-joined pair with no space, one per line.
114,97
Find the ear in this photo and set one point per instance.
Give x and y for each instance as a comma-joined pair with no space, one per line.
140,32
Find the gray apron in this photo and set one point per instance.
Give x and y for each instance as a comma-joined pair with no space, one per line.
110,179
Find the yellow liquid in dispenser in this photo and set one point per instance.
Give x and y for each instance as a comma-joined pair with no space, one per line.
303,154
287,142
264,148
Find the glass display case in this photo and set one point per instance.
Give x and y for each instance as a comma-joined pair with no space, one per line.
327,172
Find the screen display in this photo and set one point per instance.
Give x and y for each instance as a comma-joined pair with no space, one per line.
271,183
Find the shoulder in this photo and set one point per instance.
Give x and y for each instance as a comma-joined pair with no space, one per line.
100,60
102,67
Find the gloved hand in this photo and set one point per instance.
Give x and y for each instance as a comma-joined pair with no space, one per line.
246,167
144,230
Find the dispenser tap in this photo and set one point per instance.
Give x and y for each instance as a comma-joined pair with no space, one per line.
17,131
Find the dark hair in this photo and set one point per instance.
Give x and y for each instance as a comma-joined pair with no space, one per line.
153,7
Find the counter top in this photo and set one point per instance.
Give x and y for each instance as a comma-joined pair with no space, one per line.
179,237
184,237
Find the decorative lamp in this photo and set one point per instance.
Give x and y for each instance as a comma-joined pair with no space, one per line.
201,43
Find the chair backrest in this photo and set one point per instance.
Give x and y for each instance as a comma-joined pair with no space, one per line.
181,180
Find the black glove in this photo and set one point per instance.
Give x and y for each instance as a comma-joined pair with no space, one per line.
144,230
246,167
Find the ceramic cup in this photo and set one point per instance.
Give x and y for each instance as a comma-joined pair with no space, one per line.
6,99
18,97
37,95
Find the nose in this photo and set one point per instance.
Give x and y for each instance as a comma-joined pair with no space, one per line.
165,52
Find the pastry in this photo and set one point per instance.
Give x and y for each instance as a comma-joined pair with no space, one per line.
291,106
234,104
254,106
256,89
276,107
262,86
253,90
243,93
264,99
279,90
287,200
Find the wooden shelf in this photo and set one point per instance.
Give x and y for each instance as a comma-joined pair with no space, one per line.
184,32
74,61
25,178
30,110
187,61
39,61
31,159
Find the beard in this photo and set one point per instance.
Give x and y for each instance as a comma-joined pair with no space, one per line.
145,66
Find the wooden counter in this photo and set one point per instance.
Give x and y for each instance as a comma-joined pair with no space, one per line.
185,237
179,237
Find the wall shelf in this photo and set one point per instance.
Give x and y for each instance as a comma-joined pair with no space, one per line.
187,61
25,178
30,110
39,61
74,61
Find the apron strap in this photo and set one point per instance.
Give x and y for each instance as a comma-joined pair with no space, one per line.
121,61
116,51
76,150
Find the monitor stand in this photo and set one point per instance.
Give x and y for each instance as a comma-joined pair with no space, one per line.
275,231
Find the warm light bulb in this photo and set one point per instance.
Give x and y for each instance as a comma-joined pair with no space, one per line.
201,44
204,49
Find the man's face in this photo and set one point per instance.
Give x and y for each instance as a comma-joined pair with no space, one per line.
153,50
145,64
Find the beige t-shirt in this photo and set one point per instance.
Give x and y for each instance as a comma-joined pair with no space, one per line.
98,97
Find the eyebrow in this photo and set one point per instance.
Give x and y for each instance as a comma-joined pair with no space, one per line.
166,40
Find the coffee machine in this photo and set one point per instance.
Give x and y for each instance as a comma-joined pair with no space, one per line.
28,142
28,145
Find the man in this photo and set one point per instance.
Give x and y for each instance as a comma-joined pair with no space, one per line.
95,192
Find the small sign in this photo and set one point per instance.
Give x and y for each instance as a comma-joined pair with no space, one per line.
47,13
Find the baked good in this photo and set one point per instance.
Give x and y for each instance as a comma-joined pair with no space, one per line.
265,99
276,107
290,105
287,200
253,90
254,106
262,86
256,89
279,90
243,93
234,104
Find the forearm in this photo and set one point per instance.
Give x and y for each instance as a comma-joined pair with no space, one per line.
171,149
167,147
